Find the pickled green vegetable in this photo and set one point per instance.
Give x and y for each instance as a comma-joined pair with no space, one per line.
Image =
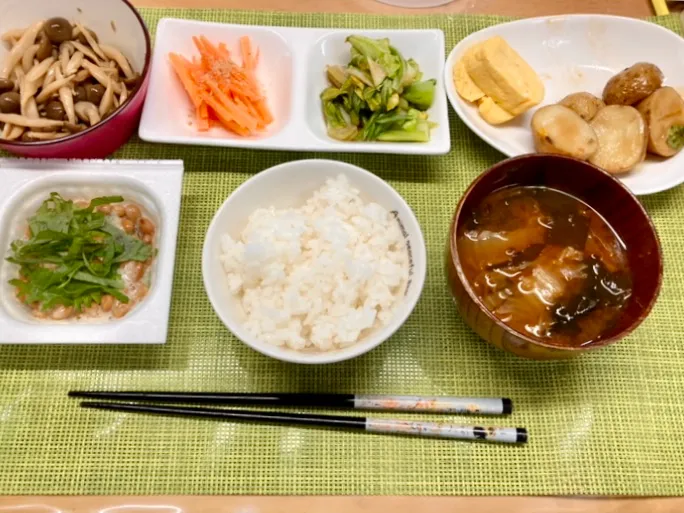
378,96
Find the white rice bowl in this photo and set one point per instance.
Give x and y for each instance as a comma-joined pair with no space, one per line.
321,276
314,261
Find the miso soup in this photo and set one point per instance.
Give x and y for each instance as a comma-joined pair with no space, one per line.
546,264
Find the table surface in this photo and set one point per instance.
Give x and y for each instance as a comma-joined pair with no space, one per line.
233,504
526,8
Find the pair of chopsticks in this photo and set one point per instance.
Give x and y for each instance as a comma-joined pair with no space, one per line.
660,7
461,405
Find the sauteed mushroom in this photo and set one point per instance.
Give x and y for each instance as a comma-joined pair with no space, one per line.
6,85
10,103
58,30
59,79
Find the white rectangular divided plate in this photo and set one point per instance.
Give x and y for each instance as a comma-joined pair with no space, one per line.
292,72
156,185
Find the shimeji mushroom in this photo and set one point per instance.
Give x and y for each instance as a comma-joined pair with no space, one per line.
53,88
44,136
74,63
86,51
50,75
27,58
124,96
119,58
31,109
91,40
107,101
25,42
66,50
67,99
11,132
33,79
13,35
88,112
20,120
58,79
81,76
36,73
101,76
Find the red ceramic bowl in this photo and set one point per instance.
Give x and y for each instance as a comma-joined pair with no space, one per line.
117,23
603,193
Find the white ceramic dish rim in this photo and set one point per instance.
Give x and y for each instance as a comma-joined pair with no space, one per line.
292,356
458,104
299,137
161,182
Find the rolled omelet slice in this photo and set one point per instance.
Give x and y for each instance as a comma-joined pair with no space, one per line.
465,87
500,73
492,113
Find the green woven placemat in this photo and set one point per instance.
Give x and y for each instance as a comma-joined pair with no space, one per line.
609,423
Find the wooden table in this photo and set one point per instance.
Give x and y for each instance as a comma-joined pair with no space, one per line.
230,504
527,8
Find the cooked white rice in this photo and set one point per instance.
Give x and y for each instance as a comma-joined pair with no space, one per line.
321,276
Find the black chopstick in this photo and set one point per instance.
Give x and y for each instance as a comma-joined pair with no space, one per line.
443,404
371,425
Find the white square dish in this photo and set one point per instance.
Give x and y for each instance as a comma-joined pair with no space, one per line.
292,73
155,185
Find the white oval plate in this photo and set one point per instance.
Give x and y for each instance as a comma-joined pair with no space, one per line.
572,54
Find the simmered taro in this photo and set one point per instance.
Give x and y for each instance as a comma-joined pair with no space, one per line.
545,264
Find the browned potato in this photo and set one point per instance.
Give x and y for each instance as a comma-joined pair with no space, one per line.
664,115
633,84
622,138
584,104
558,129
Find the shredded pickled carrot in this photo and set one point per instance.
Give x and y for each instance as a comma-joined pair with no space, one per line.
221,89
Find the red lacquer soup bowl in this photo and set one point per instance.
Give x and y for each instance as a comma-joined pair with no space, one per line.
606,195
117,24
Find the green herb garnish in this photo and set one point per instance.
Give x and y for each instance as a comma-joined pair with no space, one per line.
378,96
72,255
675,137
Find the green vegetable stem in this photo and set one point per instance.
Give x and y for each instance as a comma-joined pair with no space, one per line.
421,94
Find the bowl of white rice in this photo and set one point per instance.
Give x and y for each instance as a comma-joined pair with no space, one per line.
314,261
